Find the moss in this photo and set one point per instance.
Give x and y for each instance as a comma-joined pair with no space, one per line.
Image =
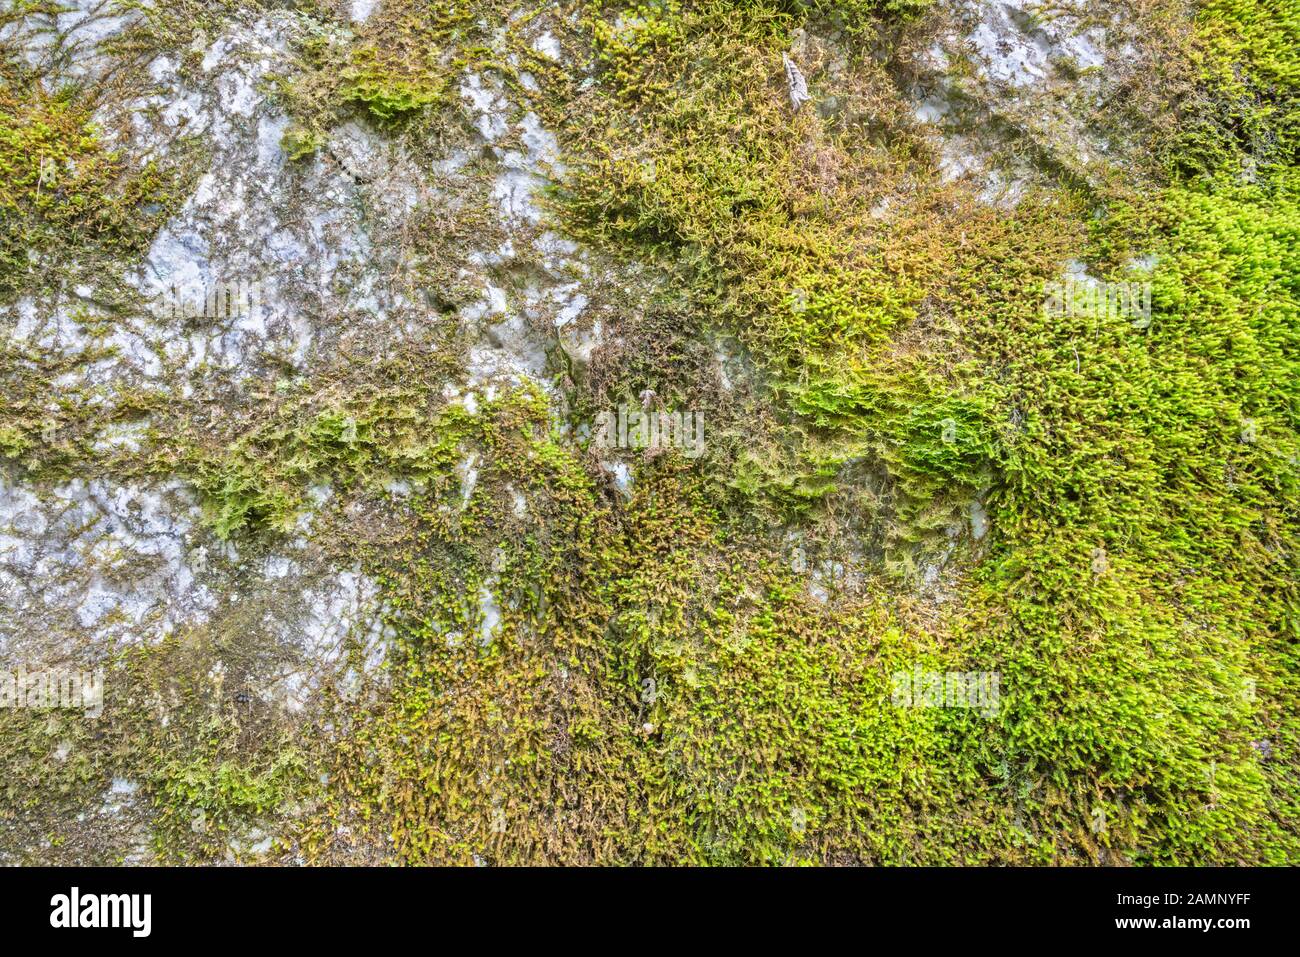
1119,602
710,165
1245,119
200,771
649,678
387,98
301,143
386,429
214,788
1090,436
66,189
1124,673
396,69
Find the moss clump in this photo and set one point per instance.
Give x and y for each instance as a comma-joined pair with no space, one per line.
385,97
207,791
774,216
299,143
65,189
1139,594
1129,585
1243,119
395,70
172,769
384,430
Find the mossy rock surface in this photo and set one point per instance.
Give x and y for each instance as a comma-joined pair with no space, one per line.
649,433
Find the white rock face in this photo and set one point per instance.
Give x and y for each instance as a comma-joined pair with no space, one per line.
548,46
489,613
89,565
335,610
90,562
362,9
68,36
1017,41
622,475
979,521
1032,66
490,106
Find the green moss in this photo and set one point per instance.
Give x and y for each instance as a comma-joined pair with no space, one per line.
1245,121
65,188
397,68
205,794
781,242
387,98
1128,510
389,429
300,143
